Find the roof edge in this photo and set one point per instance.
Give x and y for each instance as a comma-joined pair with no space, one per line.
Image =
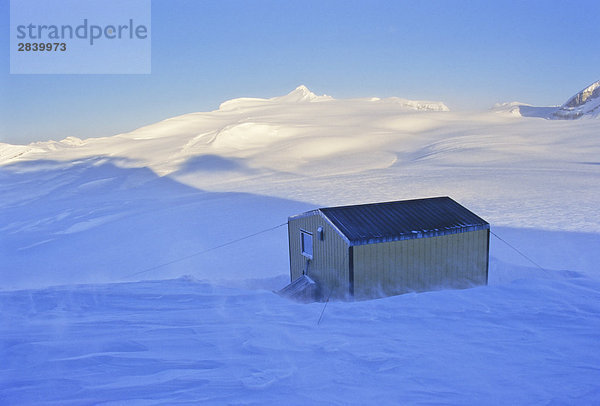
417,235
337,230
302,215
390,201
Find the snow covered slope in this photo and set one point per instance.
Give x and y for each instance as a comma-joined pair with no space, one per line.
518,109
584,103
302,129
187,342
168,241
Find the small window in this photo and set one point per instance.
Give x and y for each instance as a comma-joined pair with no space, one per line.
307,244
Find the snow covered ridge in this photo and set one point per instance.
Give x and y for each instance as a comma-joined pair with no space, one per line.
302,126
10,152
303,95
584,103
417,105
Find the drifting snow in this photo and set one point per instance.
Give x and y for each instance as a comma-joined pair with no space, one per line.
187,196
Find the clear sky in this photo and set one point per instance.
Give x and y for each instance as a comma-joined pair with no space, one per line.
468,54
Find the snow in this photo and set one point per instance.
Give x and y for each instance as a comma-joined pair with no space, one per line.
301,94
139,268
184,341
584,103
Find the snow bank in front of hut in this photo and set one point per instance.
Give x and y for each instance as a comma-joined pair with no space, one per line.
529,341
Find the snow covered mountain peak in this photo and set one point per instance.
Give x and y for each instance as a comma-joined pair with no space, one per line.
301,94
584,103
590,92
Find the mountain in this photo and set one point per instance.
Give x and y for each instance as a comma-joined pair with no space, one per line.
301,94
518,109
584,103
304,128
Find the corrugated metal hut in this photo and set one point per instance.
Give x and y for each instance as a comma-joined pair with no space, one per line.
382,249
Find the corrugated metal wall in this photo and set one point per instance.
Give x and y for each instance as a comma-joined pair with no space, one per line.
449,261
329,266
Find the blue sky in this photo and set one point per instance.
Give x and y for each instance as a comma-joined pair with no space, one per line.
468,54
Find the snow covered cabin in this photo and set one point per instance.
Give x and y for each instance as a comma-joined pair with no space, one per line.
383,249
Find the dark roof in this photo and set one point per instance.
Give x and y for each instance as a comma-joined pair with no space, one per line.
406,219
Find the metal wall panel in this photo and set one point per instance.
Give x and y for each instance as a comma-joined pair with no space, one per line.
449,261
329,265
